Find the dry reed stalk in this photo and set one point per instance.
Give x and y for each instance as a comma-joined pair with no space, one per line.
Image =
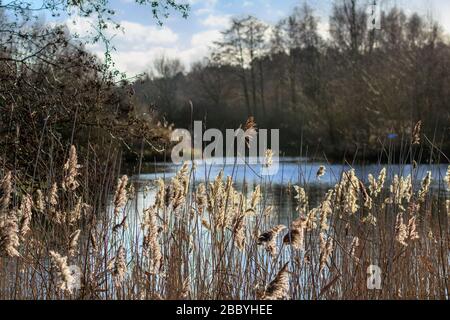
295,237
255,198
269,239
277,289
347,191
52,198
447,178
416,133
405,233
75,214
302,199
71,167
376,185
354,246
325,211
26,214
120,197
400,190
120,267
249,129
426,182
160,195
6,187
239,232
326,249
366,198
73,243
151,242
201,198
268,158
65,279
39,203
9,235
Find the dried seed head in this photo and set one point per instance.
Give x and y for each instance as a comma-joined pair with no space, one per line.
295,237
268,161
277,289
416,133
401,230
65,280
25,209
447,178
426,182
160,195
320,172
52,197
71,167
9,235
40,205
326,249
151,242
73,243
120,267
201,198
302,199
354,246
120,197
269,238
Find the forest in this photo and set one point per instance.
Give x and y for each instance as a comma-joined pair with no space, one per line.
351,94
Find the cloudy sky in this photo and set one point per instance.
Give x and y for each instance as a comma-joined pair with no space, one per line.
190,39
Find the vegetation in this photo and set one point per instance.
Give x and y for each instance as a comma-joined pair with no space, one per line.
350,94
209,241
68,213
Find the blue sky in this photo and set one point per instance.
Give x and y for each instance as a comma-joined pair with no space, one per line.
190,39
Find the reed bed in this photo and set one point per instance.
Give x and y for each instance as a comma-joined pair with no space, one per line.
207,240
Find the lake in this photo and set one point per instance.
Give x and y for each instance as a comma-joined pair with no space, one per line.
278,189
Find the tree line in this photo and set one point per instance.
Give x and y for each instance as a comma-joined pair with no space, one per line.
355,92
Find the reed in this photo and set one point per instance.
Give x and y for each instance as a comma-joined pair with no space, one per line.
210,241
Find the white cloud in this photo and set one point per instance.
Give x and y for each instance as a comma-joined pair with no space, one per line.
138,45
136,36
217,21
209,3
202,11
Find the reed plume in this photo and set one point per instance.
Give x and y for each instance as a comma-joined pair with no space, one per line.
376,185
25,209
326,248
9,235
401,230
120,197
295,237
151,242
268,158
65,280
447,178
416,133
278,288
269,239
426,182
120,266
73,243
71,167
302,199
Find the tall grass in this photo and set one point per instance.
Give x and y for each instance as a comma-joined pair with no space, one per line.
211,241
